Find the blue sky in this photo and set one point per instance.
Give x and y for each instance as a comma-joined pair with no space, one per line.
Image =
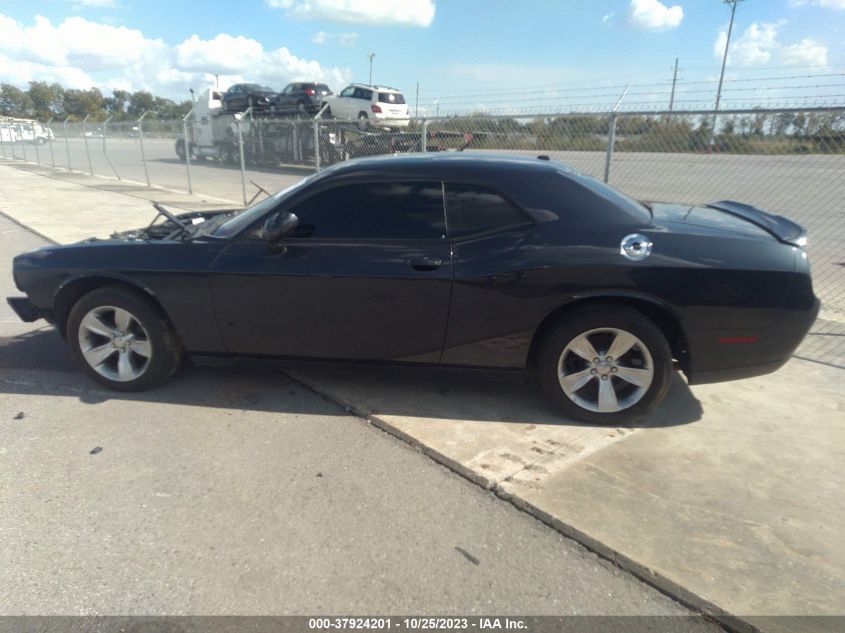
465,54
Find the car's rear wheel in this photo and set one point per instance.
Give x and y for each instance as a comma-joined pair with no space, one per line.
363,121
120,339
605,365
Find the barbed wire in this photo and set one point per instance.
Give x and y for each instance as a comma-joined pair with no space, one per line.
655,94
688,107
528,89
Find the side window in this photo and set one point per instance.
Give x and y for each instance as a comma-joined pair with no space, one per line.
378,211
472,209
348,91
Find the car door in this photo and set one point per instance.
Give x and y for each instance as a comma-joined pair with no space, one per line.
365,276
286,101
344,103
362,100
495,244
235,98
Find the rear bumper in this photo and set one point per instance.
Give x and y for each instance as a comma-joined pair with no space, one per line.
24,308
720,356
388,122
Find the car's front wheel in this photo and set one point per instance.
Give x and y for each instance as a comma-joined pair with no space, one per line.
120,339
606,365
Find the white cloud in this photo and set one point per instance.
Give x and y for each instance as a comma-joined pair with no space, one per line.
19,72
341,39
807,52
382,12
826,4
759,43
222,54
607,17
74,42
654,15
80,53
752,48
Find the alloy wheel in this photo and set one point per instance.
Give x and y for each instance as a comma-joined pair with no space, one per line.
605,370
114,343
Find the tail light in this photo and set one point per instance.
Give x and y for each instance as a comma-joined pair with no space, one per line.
376,109
310,92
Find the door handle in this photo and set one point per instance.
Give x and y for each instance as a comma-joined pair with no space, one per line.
426,263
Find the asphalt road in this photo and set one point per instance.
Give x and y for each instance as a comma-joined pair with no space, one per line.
232,492
806,188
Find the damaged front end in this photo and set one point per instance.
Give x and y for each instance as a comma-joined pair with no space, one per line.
175,227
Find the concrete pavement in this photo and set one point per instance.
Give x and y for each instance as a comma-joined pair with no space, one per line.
727,498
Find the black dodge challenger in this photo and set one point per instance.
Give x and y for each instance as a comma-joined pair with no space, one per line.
458,260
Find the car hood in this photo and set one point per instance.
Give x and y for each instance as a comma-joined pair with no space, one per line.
199,222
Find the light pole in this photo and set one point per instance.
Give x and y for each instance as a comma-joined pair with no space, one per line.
371,55
733,4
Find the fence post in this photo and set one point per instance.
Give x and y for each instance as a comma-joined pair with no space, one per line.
6,126
243,162
85,140
296,148
141,143
35,145
187,148
23,145
317,145
50,137
105,149
67,144
611,141
424,138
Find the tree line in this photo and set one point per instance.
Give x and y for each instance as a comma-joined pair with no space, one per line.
758,131
43,100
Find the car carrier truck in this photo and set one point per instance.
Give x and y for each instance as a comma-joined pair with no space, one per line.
268,138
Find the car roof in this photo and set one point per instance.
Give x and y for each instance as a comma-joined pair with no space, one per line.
375,87
443,164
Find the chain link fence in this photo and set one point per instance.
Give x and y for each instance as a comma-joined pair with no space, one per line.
786,161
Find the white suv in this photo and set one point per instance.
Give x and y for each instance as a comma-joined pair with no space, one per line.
369,105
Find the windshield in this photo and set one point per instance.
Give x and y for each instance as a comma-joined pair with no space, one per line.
243,219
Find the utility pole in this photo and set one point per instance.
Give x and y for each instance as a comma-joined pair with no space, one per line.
674,82
371,55
733,4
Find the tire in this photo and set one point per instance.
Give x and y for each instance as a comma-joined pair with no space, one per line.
615,390
300,109
363,121
327,113
144,354
180,149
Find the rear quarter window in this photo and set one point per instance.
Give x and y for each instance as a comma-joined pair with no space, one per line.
474,210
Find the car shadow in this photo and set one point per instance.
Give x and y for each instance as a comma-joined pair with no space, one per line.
39,363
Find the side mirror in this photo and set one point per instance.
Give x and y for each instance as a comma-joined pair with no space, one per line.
278,225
